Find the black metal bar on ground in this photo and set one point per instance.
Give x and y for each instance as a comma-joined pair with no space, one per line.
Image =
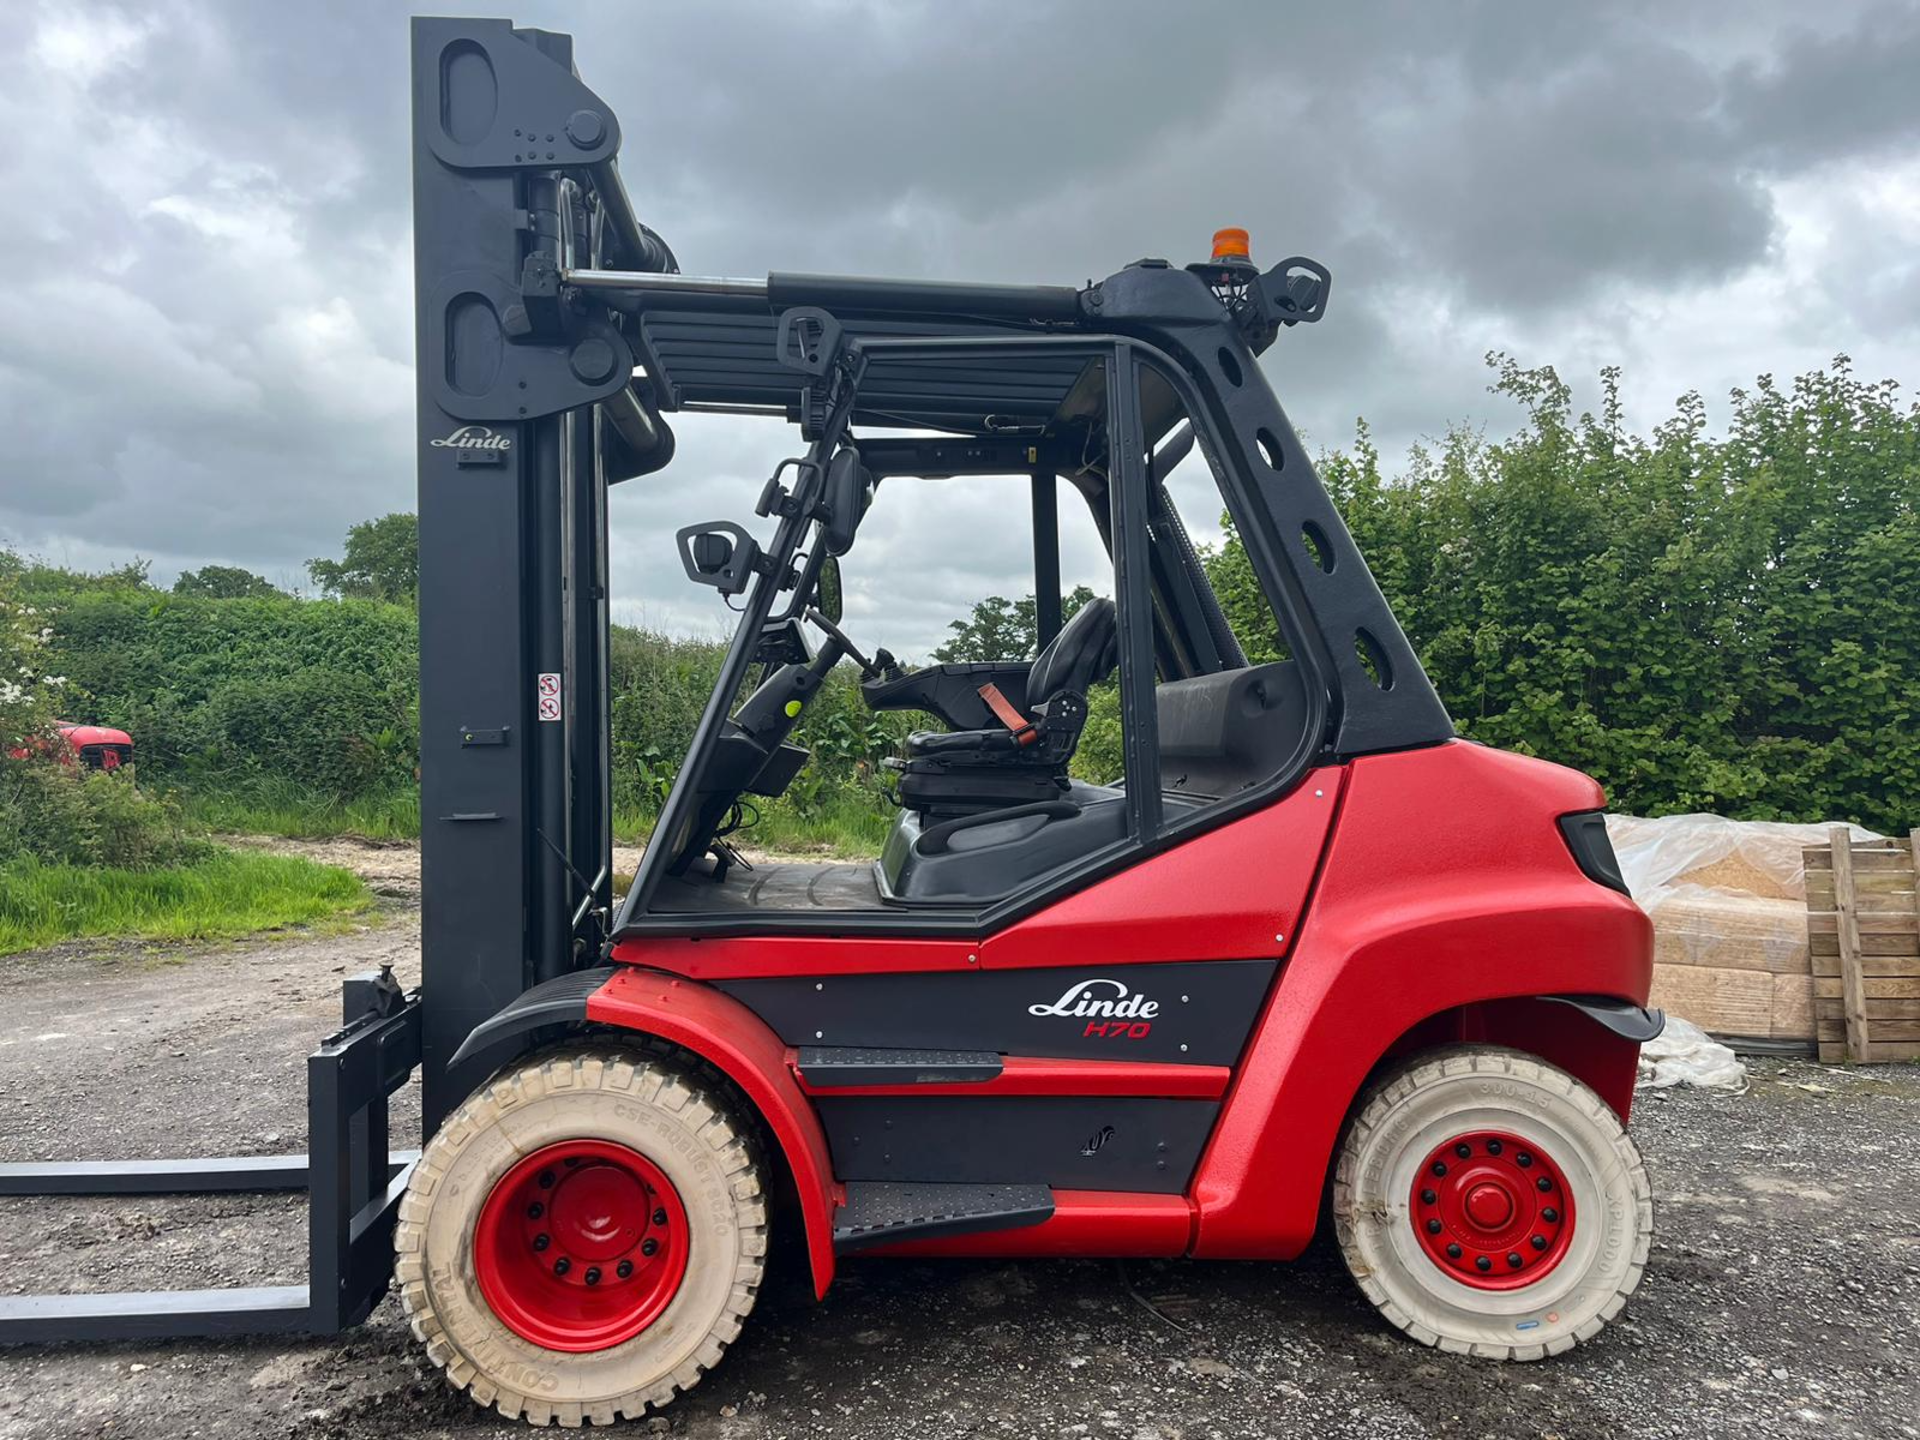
153,1314
369,1255
205,1176
1046,558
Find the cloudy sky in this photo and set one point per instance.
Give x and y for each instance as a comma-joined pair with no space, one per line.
205,277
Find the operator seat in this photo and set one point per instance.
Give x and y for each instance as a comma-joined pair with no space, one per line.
1023,760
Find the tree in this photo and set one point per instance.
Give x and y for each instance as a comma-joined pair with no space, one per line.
382,561
1003,629
222,582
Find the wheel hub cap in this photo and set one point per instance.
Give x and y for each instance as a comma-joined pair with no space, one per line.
1492,1210
581,1245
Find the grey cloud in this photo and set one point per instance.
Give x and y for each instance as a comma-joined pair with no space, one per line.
205,340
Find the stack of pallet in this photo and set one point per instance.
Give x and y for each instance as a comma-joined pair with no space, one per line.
1863,923
1729,913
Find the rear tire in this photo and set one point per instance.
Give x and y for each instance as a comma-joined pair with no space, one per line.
651,1184
1489,1204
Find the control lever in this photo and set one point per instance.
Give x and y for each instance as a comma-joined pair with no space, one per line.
839,638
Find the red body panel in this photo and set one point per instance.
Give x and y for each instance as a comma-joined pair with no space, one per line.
1229,894
1447,883
78,735
1442,897
1025,1075
731,1037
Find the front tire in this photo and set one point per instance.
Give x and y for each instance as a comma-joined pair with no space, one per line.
1490,1204
583,1237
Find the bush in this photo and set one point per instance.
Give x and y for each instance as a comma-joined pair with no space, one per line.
1701,624
63,815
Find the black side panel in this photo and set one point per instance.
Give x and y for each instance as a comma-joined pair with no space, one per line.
1071,1142
1195,1012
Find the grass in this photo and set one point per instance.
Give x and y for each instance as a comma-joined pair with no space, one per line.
847,822
280,808
225,895
842,818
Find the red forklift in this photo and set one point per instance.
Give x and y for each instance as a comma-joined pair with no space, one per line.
1308,953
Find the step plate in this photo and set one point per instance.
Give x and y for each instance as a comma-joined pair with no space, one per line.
825,1066
881,1212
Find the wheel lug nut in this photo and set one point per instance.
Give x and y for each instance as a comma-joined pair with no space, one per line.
546,1179
1550,1215
541,1242
593,1272
1523,1159
1494,1147
1513,1259
1539,1242
649,1247
1481,1262
623,1269
1463,1150
562,1265
660,1217
1439,1167
1453,1252
536,1210
1433,1227
1544,1183
1427,1197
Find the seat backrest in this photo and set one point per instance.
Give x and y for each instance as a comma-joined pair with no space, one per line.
1079,657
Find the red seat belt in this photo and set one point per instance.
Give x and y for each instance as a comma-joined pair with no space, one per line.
1004,711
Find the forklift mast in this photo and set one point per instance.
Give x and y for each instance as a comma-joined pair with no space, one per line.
514,181
538,292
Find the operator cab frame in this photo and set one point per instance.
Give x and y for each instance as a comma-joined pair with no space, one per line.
991,826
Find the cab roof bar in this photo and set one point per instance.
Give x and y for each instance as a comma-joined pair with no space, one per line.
858,294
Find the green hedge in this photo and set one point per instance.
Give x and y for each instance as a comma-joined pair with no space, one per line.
1727,624
217,692
1703,623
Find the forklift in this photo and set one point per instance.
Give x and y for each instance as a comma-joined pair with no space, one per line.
1307,953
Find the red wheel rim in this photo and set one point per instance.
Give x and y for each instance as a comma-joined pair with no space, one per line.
1492,1210
581,1245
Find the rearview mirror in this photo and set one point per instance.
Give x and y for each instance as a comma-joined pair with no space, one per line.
844,500
718,553
826,589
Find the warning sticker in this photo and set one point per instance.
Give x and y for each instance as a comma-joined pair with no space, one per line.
548,692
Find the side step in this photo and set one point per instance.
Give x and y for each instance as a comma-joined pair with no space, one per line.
829,1066
880,1212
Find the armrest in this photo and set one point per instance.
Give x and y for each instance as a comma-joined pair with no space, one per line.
952,692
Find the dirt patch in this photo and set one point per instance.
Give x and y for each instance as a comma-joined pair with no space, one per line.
1780,1301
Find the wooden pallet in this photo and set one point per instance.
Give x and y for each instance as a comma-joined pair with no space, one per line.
1863,932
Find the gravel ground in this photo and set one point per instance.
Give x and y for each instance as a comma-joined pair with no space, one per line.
1783,1298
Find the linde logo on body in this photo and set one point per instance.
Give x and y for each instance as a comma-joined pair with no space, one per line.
1108,1007
473,437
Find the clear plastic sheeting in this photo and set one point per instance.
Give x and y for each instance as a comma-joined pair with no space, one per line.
1684,1054
1728,904
1711,852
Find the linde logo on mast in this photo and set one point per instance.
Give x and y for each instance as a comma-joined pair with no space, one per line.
472,438
1119,1015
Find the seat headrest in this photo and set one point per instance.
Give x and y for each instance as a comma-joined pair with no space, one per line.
1081,655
